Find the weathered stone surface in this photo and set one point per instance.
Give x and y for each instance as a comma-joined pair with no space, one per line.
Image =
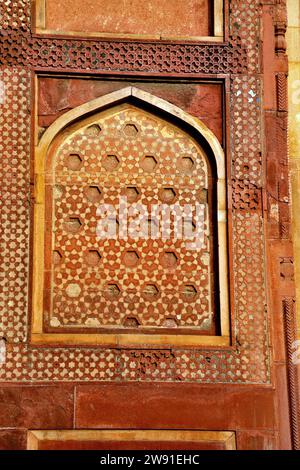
138,17
58,95
38,407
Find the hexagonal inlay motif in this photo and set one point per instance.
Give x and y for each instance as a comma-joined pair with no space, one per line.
93,193
169,259
93,257
167,195
93,130
112,291
131,130
131,259
132,194
73,224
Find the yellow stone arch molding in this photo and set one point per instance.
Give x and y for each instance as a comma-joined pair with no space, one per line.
141,99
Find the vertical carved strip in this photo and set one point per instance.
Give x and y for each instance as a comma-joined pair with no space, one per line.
281,86
290,337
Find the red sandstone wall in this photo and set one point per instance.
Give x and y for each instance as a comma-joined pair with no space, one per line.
138,17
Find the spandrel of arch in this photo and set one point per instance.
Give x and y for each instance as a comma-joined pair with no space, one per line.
129,289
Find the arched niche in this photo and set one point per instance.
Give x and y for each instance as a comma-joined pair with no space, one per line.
114,292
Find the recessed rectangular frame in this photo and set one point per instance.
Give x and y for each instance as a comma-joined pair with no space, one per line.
227,438
39,27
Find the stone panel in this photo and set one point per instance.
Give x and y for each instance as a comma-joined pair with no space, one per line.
138,17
